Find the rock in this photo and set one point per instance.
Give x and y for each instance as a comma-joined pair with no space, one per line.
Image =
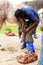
28,58
10,33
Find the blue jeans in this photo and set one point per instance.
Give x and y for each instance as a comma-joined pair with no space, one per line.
40,61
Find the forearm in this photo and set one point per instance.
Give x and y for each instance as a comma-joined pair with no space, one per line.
33,25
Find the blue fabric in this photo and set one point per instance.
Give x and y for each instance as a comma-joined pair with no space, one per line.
40,62
30,14
30,46
24,43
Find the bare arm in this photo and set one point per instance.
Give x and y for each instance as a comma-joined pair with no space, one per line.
29,28
21,22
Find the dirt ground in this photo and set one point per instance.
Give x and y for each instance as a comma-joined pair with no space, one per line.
10,48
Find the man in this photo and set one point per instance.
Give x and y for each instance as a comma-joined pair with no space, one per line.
29,19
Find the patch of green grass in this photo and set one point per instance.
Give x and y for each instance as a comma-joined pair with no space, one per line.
14,29
38,29
9,28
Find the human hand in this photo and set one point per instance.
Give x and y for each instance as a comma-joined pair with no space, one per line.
27,30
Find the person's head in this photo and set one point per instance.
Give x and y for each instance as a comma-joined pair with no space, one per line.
19,14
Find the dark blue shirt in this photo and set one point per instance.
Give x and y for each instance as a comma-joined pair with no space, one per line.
30,14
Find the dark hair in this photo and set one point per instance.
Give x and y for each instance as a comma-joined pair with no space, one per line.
18,13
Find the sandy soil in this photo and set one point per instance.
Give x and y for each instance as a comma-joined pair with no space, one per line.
10,49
